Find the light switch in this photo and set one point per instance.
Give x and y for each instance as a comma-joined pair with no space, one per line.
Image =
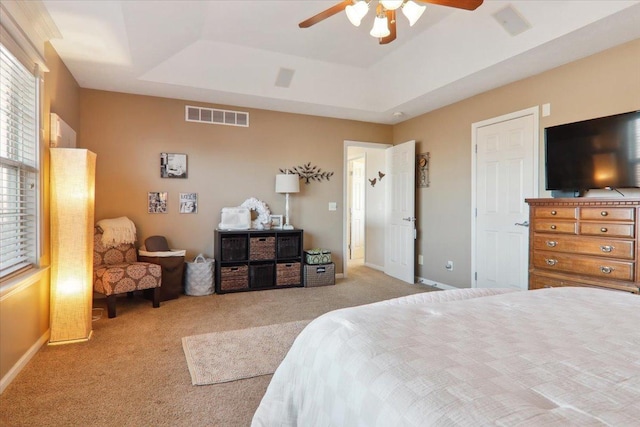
546,110
333,206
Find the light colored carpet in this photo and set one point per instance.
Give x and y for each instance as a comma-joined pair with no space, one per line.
221,357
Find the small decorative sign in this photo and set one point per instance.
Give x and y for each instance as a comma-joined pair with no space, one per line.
188,203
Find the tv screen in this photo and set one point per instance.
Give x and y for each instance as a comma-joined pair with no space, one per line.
596,153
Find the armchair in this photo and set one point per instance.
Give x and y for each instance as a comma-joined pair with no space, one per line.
116,270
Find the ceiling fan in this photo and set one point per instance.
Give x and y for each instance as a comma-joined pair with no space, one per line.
384,26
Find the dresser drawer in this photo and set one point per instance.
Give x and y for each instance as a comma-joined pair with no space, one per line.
541,282
622,249
596,267
566,227
549,212
607,229
608,214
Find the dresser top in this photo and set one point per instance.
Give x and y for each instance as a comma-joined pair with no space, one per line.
584,201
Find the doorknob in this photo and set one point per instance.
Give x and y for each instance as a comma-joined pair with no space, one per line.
522,224
409,218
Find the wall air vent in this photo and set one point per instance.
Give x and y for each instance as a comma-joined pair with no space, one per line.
215,116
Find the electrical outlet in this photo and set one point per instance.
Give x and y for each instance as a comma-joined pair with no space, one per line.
420,260
449,266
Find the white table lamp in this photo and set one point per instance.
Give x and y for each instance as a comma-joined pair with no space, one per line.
287,183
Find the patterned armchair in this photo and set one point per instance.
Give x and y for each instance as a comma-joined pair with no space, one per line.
117,270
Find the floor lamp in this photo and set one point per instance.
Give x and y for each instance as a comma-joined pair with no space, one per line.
72,177
287,183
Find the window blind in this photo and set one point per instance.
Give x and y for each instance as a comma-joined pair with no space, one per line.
19,165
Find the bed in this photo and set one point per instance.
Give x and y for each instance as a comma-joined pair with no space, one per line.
469,357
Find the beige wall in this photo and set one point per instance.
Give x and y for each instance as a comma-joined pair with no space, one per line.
226,166
24,305
600,85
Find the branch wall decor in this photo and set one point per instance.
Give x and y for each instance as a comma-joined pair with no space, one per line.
309,173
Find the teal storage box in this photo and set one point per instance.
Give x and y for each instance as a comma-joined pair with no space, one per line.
317,256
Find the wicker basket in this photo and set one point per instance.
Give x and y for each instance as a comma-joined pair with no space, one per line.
262,248
288,273
261,275
288,246
236,277
234,248
319,275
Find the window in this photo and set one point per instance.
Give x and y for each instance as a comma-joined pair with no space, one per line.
19,163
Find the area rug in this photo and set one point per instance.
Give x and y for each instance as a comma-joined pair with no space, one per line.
226,356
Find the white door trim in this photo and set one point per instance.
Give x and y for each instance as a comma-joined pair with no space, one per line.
345,183
532,111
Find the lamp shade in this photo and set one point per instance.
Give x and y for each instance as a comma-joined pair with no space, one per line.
72,178
413,11
287,183
391,4
380,27
355,12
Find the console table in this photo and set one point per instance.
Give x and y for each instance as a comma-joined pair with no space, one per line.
584,242
248,260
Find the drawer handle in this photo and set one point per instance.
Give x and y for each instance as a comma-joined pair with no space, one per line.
234,268
606,270
606,248
604,213
554,213
551,262
262,239
553,227
552,244
604,229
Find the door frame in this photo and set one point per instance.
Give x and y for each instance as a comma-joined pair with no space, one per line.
349,221
531,111
345,201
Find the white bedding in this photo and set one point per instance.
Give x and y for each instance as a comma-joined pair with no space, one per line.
550,357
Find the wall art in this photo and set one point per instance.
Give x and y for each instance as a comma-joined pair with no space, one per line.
422,170
309,173
157,202
188,203
173,165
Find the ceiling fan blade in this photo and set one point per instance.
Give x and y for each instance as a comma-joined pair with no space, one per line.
460,4
391,19
325,14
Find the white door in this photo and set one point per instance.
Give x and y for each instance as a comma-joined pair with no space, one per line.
506,174
400,211
357,209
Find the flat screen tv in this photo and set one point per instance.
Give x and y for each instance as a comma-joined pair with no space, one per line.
596,153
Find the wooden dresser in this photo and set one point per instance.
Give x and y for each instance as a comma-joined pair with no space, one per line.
584,242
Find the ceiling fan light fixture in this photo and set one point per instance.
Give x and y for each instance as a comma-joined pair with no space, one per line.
357,11
413,11
391,4
380,27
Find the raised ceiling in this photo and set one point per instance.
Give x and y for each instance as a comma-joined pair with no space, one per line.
233,52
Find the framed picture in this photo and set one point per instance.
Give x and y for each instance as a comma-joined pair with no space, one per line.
276,221
188,203
173,165
157,202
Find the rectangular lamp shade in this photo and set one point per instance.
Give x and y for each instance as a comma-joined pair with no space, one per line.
72,177
287,183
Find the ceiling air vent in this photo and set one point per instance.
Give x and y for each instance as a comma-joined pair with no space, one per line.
215,116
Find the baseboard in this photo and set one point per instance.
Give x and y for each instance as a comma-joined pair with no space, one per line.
374,266
23,361
433,283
